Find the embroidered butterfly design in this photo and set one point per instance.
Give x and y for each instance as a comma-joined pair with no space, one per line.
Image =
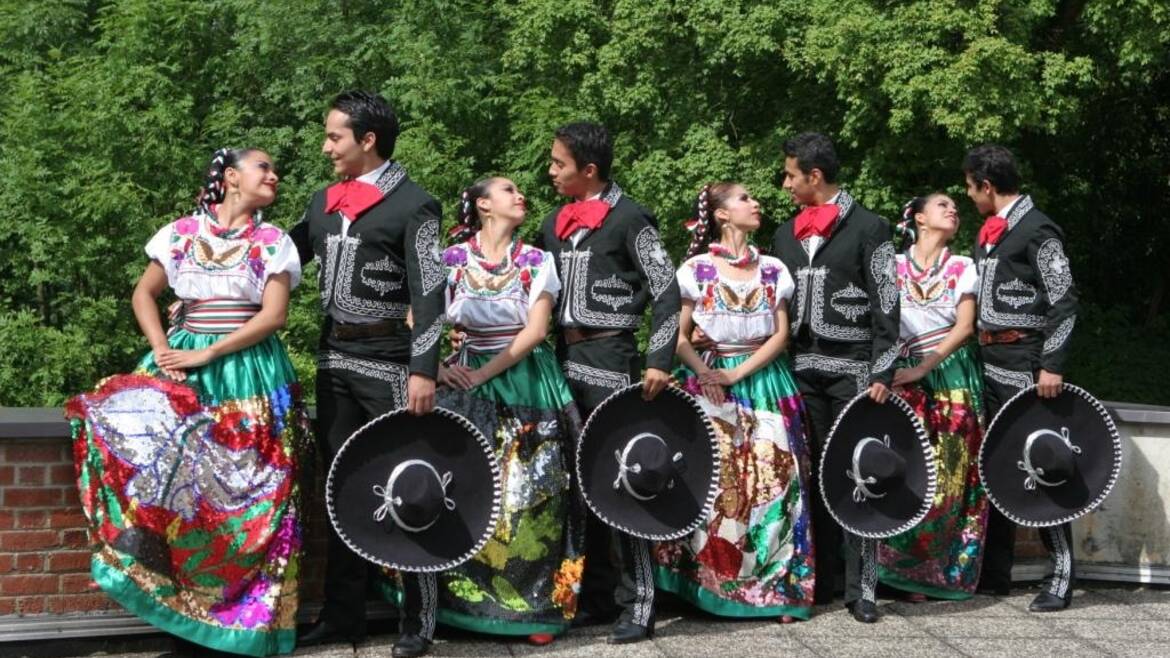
925,295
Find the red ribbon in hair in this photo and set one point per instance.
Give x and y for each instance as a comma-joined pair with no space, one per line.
352,198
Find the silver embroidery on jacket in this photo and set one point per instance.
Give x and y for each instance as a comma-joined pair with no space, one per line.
612,292
850,301
328,271
654,260
393,373
664,336
988,315
1054,270
1016,293
383,285
595,376
823,327
575,271
1060,336
427,339
426,247
859,370
884,271
801,278
886,359
1013,378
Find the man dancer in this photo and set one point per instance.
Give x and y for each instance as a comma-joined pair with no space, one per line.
1027,309
611,263
844,324
376,237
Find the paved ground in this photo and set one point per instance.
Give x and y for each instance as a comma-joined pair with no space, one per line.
1104,620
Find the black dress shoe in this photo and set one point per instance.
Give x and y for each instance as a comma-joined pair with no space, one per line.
627,632
410,645
863,611
323,632
1048,602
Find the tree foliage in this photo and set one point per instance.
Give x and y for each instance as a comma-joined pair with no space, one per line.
109,111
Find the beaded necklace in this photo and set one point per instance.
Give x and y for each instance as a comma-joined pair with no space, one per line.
494,268
748,259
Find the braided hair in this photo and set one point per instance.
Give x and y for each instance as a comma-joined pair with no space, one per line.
213,190
702,224
907,229
467,220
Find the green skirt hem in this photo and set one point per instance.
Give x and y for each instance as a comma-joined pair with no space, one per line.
126,593
704,600
496,626
892,579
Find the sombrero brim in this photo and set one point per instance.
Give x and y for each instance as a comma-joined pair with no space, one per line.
900,509
1091,428
449,442
675,416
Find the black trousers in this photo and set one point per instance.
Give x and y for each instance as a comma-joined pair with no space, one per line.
619,577
1008,369
353,387
829,375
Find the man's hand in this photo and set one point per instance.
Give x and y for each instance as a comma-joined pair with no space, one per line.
1049,384
420,395
653,383
878,392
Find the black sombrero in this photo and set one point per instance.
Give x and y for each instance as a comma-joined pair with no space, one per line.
877,469
649,469
1048,461
415,493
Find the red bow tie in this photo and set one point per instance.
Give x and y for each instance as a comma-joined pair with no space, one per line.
816,220
580,214
352,198
992,230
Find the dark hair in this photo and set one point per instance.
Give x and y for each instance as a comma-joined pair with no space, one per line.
369,113
710,198
907,228
212,191
589,143
814,151
467,220
994,164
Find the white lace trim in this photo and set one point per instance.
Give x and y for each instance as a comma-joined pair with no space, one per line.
426,247
394,374
665,335
883,268
654,260
427,340
595,376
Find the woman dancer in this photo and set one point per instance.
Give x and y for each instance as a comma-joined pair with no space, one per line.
501,293
939,376
188,468
754,555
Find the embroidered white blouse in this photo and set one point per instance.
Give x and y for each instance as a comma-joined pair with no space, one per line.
735,312
201,264
478,299
930,298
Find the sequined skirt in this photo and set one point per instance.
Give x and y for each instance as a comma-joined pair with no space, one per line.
527,578
754,555
191,491
941,557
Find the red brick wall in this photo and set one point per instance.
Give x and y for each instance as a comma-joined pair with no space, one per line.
44,554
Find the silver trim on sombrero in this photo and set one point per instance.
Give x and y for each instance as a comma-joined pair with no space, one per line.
931,470
712,490
1036,475
1113,475
390,501
497,495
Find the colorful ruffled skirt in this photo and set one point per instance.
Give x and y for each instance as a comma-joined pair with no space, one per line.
754,555
941,557
527,578
191,490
